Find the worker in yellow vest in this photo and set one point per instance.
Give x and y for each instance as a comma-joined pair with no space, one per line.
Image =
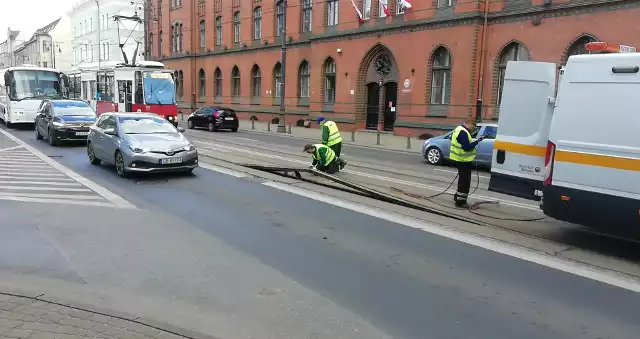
324,158
331,137
462,152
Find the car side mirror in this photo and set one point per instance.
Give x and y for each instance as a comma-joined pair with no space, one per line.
110,131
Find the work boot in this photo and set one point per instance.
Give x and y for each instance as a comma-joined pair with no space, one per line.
342,163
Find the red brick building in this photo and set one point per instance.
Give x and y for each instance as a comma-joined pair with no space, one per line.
409,70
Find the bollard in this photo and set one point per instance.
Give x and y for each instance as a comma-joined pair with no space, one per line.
289,128
409,141
378,138
353,136
253,124
268,127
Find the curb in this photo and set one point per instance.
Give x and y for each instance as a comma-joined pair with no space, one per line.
345,143
114,314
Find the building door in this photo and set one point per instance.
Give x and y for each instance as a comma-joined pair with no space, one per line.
391,100
373,93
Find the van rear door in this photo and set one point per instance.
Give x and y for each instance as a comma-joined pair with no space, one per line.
517,165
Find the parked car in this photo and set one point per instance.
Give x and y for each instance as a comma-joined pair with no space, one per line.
63,120
436,149
213,118
140,142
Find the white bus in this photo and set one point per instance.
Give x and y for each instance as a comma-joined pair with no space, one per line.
22,89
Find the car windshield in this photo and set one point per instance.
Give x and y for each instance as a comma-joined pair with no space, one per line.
159,88
72,108
145,125
32,84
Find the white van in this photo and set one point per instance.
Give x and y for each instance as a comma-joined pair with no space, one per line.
577,152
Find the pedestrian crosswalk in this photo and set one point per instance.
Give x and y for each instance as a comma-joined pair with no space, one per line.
26,177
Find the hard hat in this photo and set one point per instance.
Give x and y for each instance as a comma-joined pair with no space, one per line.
320,119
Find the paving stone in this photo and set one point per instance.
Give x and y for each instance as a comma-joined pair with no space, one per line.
99,318
142,329
64,329
81,323
8,305
44,335
10,323
5,297
120,333
39,327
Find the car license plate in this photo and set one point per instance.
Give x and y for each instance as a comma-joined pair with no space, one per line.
228,118
171,161
82,133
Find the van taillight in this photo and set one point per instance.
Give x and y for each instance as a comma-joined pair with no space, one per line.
548,163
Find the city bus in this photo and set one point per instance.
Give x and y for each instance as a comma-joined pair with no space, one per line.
22,89
115,87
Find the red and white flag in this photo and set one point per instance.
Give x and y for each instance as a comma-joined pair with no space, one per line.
405,3
357,11
385,8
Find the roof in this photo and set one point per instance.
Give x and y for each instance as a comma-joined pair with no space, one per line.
46,29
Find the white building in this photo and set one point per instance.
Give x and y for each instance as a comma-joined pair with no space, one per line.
38,49
7,47
94,32
61,51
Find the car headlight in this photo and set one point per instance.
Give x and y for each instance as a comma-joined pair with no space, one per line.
170,117
139,150
189,147
58,125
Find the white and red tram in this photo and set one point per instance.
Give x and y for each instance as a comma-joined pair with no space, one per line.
146,87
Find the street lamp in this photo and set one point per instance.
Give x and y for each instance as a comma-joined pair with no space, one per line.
282,127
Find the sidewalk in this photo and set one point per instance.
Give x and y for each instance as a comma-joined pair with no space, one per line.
33,318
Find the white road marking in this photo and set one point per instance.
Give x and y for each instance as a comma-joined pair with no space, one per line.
57,189
37,174
49,183
33,179
10,148
35,166
252,140
378,177
562,264
113,198
223,170
61,197
50,201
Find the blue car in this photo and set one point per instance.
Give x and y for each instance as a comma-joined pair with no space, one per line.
436,149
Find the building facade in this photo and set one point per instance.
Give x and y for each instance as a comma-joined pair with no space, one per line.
405,66
38,50
94,32
7,48
61,51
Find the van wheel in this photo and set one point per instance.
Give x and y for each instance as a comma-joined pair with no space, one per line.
434,156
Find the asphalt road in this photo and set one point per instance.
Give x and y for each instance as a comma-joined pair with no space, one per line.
403,282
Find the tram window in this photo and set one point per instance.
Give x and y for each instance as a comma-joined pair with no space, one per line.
138,94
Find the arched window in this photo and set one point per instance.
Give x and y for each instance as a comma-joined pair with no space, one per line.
279,17
235,82
441,77
513,52
203,34
176,36
277,80
329,81
236,27
257,23
203,84
579,46
218,84
256,82
304,77
219,31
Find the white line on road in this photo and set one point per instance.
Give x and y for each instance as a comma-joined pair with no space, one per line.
56,201
223,170
13,160
252,140
33,179
43,166
523,253
32,173
51,196
50,183
10,148
378,177
61,189
114,198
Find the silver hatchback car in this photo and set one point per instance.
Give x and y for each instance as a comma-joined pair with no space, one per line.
140,142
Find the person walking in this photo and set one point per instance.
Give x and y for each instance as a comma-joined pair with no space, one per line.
324,158
462,151
331,137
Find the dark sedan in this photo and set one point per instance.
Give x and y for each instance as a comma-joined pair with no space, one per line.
64,120
213,118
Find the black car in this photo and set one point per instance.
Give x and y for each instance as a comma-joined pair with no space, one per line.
64,120
213,118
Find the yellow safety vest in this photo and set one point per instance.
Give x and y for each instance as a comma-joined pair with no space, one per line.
456,153
334,133
330,155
